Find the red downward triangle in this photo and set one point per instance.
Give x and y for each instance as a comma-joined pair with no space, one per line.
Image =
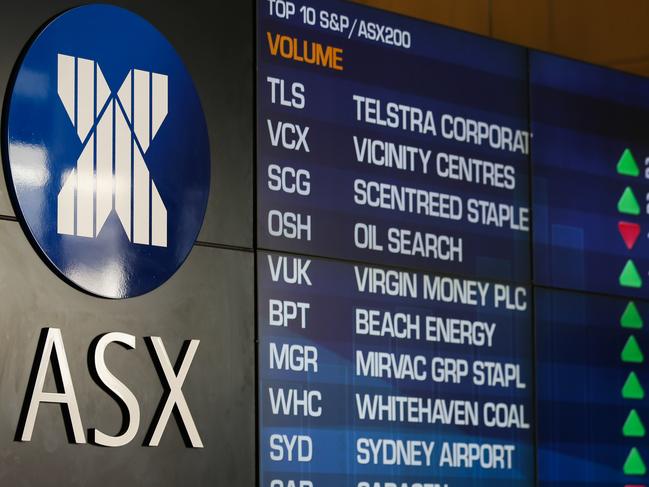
630,233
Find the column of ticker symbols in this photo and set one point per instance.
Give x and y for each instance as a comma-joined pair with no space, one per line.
631,319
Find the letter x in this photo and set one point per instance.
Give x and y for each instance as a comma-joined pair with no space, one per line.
115,133
174,393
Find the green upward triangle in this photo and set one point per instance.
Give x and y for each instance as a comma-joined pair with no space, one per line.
630,277
633,426
631,352
628,203
631,317
627,165
632,388
634,464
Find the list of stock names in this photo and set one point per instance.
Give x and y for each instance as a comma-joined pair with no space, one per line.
408,362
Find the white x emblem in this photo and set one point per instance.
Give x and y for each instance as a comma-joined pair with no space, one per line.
115,132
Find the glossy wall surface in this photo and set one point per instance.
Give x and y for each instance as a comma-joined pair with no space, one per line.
210,298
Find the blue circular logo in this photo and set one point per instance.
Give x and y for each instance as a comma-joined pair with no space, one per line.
106,151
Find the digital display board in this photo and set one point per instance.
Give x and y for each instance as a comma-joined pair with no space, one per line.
591,381
590,154
371,376
589,194
394,149
451,257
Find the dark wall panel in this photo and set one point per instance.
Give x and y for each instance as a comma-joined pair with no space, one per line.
210,298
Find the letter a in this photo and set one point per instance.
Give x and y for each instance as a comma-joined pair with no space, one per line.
53,342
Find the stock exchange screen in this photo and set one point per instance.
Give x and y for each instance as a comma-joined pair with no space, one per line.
441,219
590,186
416,154
589,200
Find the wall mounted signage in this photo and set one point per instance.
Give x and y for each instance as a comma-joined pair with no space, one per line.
107,153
